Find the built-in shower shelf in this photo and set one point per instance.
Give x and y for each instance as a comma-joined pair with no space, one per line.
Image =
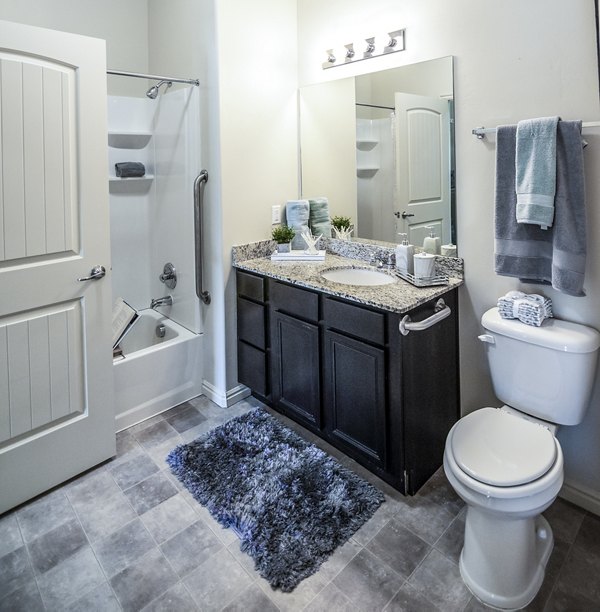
366,145
132,179
366,172
129,139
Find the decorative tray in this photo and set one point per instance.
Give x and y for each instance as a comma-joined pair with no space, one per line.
425,281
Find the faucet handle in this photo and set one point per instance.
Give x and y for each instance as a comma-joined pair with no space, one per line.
169,276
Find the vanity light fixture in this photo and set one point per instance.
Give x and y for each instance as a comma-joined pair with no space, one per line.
373,46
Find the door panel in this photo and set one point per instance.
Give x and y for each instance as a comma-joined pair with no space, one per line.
56,396
39,165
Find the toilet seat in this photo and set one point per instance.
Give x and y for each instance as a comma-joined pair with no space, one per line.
500,449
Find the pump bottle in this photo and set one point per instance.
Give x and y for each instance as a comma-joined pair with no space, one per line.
431,244
404,255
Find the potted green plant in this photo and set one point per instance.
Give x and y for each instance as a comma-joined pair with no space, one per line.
283,235
342,227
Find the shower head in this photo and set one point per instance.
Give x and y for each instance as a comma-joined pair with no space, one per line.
153,91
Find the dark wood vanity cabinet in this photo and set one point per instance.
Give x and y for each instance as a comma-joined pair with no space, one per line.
345,372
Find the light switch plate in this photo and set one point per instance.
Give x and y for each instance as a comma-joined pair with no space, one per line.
276,214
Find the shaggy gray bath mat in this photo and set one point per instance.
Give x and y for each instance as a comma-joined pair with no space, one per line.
290,503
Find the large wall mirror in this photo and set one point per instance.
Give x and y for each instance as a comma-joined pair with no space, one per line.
380,147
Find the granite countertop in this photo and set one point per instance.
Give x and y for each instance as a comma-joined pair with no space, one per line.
398,297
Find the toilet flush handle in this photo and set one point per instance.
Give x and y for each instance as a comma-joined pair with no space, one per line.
487,338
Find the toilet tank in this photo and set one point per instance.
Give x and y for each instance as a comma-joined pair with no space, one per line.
548,371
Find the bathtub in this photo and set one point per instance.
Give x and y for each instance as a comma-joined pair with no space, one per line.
155,373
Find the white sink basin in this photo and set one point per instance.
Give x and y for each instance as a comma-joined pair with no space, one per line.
358,276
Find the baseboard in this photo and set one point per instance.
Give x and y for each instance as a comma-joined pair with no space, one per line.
224,400
577,494
155,406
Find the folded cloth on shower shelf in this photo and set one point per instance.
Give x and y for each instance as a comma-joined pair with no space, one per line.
555,256
531,309
536,171
319,221
297,215
129,169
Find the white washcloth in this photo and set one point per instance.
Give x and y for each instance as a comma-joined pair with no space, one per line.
536,171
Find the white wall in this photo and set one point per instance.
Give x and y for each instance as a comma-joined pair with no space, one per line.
512,62
124,26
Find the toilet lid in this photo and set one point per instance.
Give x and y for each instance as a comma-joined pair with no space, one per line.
501,449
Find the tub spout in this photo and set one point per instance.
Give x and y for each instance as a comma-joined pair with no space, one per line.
163,301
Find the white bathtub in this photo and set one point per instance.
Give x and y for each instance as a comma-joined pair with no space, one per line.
155,373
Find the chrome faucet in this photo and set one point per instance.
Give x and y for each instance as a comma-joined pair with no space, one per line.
163,301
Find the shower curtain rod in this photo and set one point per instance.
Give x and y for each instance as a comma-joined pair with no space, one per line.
153,77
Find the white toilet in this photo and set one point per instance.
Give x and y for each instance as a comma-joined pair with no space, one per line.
506,463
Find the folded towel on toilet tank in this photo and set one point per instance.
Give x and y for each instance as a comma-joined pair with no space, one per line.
531,308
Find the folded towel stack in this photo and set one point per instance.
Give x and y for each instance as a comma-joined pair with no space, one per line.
531,309
130,169
297,213
319,217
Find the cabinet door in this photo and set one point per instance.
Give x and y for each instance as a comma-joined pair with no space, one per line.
430,391
295,368
355,397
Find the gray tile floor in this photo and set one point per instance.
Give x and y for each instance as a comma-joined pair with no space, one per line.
125,536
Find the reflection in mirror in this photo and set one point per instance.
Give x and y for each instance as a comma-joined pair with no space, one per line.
380,147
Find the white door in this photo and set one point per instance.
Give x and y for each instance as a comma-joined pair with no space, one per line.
423,166
56,398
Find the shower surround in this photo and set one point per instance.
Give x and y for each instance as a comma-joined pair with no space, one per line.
152,221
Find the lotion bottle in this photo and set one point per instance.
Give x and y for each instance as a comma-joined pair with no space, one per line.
431,244
404,255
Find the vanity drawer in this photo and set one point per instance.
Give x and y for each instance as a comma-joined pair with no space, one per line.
251,323
354,320
294,301
251,286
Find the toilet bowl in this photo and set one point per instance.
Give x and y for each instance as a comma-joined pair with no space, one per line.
507,541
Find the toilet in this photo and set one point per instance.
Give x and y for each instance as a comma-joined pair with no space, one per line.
507,464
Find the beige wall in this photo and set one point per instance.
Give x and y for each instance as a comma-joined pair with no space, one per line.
124,26
258,128
512,61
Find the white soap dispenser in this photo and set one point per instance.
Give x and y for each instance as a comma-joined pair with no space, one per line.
431,244
404,255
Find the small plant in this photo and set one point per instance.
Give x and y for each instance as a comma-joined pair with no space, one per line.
283,234
341,223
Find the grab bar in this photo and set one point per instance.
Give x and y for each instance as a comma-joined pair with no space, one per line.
199,183
441,312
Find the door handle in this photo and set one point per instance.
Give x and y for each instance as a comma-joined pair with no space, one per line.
96,273
404,214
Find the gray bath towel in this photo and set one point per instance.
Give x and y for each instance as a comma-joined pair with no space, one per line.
555,256
536,171
297,213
